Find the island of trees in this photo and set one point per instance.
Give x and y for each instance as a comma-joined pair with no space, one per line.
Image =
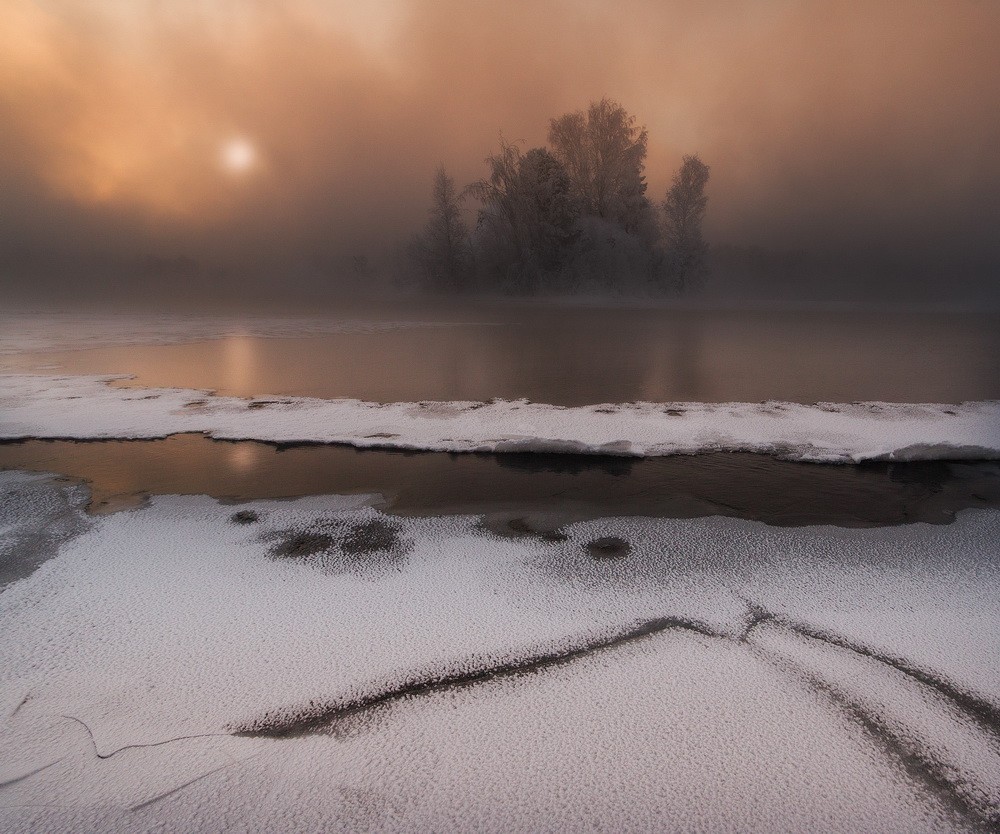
568,217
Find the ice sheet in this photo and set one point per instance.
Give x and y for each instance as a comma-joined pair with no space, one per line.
688,684
88,407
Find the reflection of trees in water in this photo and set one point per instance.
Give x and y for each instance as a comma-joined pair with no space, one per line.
685,347
673,368
563,464
930,474
589,357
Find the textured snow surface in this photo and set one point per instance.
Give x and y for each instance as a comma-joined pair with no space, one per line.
22,332
37,514
88,407
322,666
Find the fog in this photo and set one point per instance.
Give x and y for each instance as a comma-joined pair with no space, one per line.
852,146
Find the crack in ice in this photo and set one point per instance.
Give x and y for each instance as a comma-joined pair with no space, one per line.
314,717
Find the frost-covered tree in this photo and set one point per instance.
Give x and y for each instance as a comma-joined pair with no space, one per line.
548,207
604,153
498,220
684,208
528,215
442,251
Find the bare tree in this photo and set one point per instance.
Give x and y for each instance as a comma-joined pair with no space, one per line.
684,208
442,251
604,153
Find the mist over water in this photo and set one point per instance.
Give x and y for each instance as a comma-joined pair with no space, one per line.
583,355
358,359
852,151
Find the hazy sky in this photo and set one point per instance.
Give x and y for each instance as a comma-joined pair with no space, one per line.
284,137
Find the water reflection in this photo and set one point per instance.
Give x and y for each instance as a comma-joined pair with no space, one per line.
576,357
566,486
243,457
239,362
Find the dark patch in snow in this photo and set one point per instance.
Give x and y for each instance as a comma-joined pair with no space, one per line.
372,536
962,800
757,616
517,527
983,712
364,548
245,517
608,547
297,544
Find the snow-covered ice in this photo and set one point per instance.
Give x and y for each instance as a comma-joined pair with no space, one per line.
89,407
322,665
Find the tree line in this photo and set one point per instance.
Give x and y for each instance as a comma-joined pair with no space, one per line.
570,216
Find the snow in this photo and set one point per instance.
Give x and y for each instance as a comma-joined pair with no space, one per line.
36,516
90,407
173,626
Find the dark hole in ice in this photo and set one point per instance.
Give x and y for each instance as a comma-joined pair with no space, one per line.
244,517
608,547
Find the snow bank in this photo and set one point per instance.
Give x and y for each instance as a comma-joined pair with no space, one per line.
88,407
158,633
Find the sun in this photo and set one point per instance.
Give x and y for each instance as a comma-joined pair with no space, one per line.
238,155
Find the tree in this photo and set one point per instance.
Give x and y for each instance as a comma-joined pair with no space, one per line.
548,208
442,251
604,154
684,208
528,218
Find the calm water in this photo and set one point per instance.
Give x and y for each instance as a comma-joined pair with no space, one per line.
582,356
564,356
555,488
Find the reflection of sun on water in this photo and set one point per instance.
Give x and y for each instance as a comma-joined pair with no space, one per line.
243,457
239,365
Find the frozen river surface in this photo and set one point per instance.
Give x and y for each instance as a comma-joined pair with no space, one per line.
316,664
322,663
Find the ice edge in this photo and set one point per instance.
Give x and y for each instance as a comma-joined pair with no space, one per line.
90,408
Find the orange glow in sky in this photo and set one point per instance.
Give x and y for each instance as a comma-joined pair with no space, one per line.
810,114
